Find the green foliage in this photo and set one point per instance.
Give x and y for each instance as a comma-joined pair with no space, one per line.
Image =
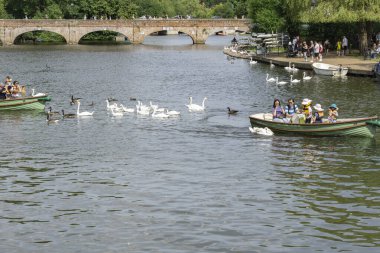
266,14
224,10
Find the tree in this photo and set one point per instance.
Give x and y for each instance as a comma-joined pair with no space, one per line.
266,14
3,12
224,10
359,12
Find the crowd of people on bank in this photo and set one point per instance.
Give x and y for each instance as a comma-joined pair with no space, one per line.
304,114
316,49
11,89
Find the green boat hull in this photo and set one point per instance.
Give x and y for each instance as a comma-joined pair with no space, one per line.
361,127
24,103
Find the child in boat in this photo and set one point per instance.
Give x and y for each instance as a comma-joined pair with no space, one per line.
333,113
318,115
16,89
307,110
278,112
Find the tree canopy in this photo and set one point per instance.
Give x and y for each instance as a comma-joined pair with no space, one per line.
115,9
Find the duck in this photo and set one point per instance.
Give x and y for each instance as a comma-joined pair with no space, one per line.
74,100
132,98
38,94
280,82
294,80
231,111
51,120
196,108
270,79
261,131
305,77
83,113
68,115
252,61
50,112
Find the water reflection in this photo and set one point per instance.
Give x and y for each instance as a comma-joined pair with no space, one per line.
330,185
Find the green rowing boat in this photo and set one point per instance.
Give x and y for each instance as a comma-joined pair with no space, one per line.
363,127
24,103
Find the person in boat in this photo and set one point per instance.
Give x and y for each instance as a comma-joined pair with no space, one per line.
307,111
318,114
16,89
278,112
333,113
8,81
291,110
2,92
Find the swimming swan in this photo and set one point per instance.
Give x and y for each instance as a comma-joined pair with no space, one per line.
38,94
262,131
83,113
270,79
196,108
294,80
280,82
305,77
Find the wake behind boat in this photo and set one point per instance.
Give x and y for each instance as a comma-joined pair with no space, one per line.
363,127
329,69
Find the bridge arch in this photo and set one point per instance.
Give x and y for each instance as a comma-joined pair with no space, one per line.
149,31
18,32
83,32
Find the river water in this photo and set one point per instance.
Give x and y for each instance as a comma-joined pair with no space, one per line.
198,183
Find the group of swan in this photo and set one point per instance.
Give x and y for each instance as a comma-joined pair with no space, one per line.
194,107
291,68
305,77
155,110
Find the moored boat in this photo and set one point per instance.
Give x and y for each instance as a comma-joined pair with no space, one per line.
24,103
363,127
329,69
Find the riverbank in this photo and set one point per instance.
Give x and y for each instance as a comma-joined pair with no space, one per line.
356,66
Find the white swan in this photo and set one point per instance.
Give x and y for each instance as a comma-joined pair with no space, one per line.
280,82
294,68
271,64
126,109
38,94
270,79
289,68
294,80
83,113
172,113
142,109
305,77
115,113
262,131
196,108
113,106
158,115
252,61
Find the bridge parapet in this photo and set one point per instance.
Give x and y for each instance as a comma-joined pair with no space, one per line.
136,30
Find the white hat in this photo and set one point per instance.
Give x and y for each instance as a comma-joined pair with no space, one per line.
318,107
306,101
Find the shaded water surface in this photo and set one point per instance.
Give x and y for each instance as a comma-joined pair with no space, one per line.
198,183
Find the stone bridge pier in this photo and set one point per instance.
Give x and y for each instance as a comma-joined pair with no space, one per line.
135,30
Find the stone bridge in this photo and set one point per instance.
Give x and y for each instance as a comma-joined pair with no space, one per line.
135,30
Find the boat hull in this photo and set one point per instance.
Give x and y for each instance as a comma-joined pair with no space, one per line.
24,103
361,127
329,70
